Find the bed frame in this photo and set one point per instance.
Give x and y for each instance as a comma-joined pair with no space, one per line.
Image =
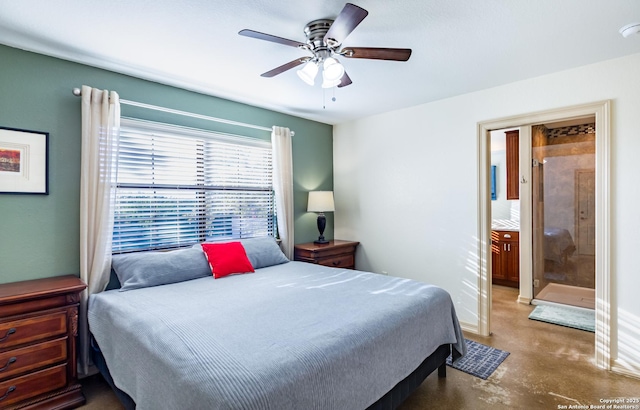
391,400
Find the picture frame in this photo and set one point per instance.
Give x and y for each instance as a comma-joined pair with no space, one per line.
24,161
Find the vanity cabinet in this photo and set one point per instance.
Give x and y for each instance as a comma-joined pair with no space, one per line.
505,258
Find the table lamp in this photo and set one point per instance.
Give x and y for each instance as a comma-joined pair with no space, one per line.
321,202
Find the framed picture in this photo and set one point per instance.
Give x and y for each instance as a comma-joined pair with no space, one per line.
494,193
24,157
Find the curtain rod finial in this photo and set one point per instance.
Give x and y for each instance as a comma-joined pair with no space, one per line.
77,92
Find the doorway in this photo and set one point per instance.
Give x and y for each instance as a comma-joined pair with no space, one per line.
601,112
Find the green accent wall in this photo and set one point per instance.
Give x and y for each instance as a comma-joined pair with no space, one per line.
39,234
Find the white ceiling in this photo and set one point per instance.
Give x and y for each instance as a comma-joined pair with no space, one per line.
459,46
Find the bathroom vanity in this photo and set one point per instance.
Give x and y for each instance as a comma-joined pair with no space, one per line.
505,256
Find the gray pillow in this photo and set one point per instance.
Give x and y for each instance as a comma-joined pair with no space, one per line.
262,251
145,269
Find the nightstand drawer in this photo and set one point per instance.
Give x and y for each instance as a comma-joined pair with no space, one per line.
31,385
336,253
345,261
31,329
17,361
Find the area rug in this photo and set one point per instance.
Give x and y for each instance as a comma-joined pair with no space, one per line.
480,360
582,319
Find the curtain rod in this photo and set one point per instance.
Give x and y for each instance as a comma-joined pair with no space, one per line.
78,92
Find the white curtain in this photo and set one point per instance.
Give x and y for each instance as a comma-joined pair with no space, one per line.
283,186
100,126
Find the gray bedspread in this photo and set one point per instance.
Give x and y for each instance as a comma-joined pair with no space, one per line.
291,336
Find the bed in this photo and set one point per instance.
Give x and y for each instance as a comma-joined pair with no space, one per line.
291,335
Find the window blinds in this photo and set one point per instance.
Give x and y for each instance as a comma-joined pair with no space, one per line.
177,186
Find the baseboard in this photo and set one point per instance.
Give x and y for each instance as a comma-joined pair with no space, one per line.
468,327
619,368
524,300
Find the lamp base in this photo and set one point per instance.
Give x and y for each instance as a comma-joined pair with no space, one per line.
322,222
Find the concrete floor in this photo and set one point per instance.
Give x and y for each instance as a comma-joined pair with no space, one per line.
549,367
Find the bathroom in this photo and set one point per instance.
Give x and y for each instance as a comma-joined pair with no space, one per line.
563,187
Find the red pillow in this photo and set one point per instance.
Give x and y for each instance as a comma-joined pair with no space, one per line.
227,258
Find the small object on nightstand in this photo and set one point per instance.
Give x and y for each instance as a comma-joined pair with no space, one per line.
38,329
336,253
321,202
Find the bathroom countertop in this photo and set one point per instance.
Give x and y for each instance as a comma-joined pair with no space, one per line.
505,225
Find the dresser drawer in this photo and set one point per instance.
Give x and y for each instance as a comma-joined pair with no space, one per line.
344,261
17,332
32,385
22,360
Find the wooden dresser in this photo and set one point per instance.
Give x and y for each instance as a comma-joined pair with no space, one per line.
336,253
38,329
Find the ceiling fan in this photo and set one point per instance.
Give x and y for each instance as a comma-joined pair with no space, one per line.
324,42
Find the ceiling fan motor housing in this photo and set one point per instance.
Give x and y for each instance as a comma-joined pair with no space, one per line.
315,32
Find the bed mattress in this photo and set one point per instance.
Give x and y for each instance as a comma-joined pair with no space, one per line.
289,336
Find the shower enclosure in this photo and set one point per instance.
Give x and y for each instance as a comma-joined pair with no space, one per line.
563,196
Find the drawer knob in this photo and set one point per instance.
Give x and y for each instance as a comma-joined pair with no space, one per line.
6,366
11,389
336,263
9,333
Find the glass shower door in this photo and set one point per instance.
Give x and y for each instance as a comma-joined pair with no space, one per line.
563,203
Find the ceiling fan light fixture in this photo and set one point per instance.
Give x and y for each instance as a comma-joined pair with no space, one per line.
332,70
308,72
329,83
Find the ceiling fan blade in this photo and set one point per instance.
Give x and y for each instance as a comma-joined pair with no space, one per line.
273,39
285,67
374,53
348,19
345,80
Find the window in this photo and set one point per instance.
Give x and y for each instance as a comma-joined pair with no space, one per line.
178,186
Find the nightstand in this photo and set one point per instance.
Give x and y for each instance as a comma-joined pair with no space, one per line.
38,329
336,253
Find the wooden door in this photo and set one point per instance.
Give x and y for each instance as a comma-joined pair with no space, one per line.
497,260
512,262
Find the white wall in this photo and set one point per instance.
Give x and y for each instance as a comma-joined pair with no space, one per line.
406,185
500,207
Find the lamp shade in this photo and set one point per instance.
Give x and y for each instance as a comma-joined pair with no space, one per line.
329,83
332,69
320,201
308,72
